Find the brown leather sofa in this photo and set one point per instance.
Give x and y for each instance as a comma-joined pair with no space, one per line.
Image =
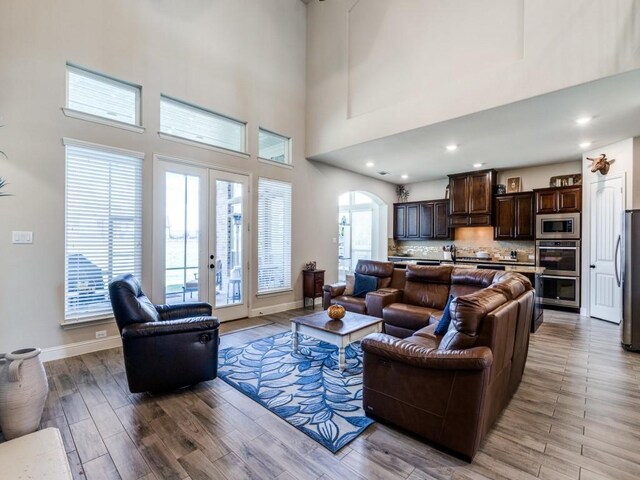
334,293
450,389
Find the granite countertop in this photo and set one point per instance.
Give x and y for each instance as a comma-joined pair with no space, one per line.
519,267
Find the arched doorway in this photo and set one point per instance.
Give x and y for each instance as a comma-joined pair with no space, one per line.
362,230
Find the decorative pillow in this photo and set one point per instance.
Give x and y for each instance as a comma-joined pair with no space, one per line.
364,284
350,283
445,320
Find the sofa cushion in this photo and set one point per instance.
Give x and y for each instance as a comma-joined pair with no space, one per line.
429,332
364,284
445,320
429,274
435,317
349,283
467,313
411,317
427,286
350,303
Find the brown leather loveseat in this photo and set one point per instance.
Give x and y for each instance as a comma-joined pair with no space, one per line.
335,293
450,389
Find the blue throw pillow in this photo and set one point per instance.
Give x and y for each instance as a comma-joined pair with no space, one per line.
364,284
445,320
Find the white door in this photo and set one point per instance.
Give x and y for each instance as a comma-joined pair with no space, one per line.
229,245
606,217
200,244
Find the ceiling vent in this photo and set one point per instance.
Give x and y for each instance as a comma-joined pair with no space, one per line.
383,173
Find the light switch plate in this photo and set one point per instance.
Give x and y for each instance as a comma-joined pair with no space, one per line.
22,237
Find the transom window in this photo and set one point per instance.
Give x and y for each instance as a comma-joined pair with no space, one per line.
274,147
103,96
183,120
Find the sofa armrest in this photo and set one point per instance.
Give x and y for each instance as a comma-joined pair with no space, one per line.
168,327
183,310
397,349
376,301
331,291
334,289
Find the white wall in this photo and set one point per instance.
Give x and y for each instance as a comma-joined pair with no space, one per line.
376,67
627,165
243,58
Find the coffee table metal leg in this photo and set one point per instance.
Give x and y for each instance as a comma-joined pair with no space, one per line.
294,334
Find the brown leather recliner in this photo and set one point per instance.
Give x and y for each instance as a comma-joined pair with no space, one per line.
334,293
451,389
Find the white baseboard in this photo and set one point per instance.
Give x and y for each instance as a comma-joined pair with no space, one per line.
282,307
80,348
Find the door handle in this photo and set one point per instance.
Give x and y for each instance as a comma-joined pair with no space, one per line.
592,266
615,261
212,266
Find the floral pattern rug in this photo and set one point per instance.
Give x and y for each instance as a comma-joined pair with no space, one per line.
305,389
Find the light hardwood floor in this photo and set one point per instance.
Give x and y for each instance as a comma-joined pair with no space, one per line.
576,415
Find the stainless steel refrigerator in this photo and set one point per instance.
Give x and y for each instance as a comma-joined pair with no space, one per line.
629,279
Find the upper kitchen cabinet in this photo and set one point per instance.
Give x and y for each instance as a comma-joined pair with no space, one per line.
559,200
514,217
471,198
421,220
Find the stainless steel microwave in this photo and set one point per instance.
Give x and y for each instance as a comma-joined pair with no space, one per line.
558,226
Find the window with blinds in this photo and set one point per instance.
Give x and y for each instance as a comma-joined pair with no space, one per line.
274,147
103,96
103,225
193,123
274,235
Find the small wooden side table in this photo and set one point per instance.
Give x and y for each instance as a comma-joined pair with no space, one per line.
313,281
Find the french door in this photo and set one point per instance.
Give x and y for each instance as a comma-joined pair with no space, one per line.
200,238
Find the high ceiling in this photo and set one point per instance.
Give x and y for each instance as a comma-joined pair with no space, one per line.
537,131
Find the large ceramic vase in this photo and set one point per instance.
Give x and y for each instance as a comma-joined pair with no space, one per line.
23,392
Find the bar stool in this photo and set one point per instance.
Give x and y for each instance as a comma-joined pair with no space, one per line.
234,287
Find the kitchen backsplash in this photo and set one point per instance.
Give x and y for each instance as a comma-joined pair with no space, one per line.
468,241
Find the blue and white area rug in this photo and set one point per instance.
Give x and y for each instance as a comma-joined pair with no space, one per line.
306,388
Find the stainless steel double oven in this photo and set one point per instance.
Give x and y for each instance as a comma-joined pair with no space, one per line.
558,251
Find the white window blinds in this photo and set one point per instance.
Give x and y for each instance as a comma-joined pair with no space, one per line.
102,96
274,235
274,147
193,123
103,225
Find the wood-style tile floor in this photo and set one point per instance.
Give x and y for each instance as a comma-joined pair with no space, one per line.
576,415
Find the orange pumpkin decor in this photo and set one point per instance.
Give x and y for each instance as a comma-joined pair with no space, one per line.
336,312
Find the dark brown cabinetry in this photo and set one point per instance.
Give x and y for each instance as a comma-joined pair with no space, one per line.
471,198
312,283
514,217
559,200
421,220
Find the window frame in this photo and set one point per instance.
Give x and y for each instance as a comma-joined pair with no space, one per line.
70,317
92,117
287,288
189,141
288,149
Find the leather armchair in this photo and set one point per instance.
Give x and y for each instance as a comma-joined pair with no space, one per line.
164,346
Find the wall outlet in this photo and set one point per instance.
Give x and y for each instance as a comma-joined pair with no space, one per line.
101,334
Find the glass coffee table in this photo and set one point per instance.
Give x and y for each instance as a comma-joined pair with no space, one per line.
340,333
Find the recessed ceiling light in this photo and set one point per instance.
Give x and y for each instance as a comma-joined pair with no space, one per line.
404,177
585,144
452,147
369,164
477,165
583,120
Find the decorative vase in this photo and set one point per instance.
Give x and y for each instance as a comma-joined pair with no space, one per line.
336,312
23,392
